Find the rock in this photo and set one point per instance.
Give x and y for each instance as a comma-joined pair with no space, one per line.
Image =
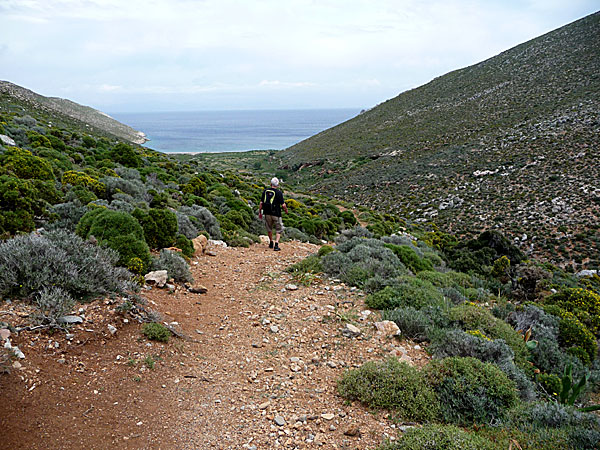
16,365
198,289
157,277
351,331
218,243
264,405
279,421
291,287
70,319
387,328
4,333
200,244
112,329
170,287
7,140
352,431
18,353
274,329
327,416
264,239
586,273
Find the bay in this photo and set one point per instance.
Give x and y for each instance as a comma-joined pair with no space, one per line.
231,131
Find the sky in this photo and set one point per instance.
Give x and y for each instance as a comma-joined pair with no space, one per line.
180,55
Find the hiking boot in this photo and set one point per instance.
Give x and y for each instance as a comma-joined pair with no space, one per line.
271,244
276,247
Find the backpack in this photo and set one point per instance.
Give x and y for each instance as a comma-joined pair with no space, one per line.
270,195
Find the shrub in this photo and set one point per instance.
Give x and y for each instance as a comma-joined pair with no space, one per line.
472,317
410,258
464,344
325,250
30,263
159,225
203,220
156,332
125,154
446,279
24,165
67,215
471,391
52,303
84,180
294,234
115,185
439,437
584,304
359,232
310,264
117,230
411,292
413,323
394,385
185,226
185,245
174,264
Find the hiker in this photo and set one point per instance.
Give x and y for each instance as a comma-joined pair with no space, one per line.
271,203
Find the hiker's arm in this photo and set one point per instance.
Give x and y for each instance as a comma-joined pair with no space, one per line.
285,208
260,210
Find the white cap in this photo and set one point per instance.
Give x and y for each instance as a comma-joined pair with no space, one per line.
274,181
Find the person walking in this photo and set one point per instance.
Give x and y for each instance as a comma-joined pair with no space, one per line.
271,203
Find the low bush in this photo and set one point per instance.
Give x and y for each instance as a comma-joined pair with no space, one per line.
439,437
410,258
52,303
156,332
410,292
159,225
176,267
583,303
185,245
463,344
413,323
469,316
471,391
203,220
310,264
393,385
30,263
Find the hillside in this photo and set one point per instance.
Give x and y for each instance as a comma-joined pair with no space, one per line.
67,112
509,143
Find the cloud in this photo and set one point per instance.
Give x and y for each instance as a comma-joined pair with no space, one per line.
295,51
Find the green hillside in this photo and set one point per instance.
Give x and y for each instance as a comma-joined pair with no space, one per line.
509,143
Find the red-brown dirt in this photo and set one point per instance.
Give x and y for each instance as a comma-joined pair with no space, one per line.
258,352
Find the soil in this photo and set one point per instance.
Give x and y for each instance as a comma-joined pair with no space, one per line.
256,367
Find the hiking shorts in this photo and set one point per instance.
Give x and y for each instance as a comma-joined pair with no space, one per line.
274,221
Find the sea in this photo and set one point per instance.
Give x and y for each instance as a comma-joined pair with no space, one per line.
231,131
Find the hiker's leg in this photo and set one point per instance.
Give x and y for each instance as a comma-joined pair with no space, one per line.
277,236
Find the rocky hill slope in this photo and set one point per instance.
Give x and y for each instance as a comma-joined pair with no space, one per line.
509,143
75,115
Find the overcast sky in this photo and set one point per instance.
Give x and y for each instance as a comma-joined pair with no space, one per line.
174,55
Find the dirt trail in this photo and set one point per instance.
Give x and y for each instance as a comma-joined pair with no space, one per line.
258,372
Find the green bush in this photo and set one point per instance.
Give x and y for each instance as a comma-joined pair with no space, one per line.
410,258
156,332
159,225
472,317
125,154
310,264
471,391
393,385
117,230
325,250
24,165
186,245
439,437
412,292
583,303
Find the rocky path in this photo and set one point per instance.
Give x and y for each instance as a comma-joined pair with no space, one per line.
258,371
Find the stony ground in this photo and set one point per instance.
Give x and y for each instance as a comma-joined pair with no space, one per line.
257,370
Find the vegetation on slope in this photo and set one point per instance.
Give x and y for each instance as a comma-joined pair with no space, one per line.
507,144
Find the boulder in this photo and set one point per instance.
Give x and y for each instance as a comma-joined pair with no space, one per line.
70,319
7,140
387,328
157,277
200,244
